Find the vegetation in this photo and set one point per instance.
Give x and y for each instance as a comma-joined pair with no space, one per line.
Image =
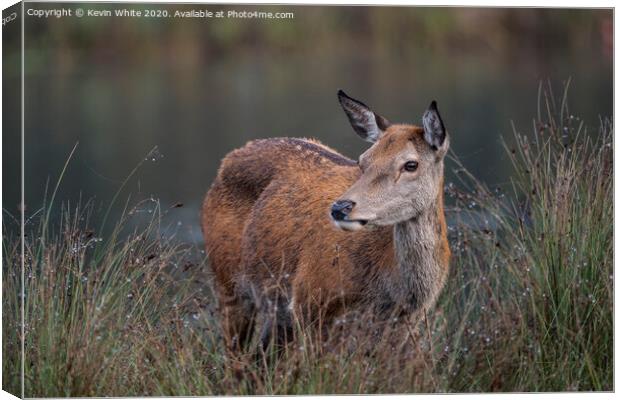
527,307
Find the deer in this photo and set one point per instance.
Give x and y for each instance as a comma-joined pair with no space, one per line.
293,228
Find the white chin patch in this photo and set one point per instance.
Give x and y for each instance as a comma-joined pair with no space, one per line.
349,225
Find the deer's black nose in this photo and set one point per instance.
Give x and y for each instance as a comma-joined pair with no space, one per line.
341,209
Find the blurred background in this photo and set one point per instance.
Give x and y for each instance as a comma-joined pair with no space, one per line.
197,88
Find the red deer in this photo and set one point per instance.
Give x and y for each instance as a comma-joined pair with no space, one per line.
293,227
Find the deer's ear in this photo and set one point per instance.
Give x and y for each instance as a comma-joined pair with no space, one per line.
368,125
434,130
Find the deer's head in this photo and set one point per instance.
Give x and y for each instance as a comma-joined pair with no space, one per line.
401,173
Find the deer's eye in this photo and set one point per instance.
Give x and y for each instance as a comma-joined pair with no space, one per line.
410,166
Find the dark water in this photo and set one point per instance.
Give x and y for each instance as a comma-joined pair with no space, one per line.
196,90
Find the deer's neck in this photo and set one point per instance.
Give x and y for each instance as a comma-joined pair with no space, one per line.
422,255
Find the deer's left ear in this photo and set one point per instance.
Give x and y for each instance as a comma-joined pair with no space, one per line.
434,130
368,125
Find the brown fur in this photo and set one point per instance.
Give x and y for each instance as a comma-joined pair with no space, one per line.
270,238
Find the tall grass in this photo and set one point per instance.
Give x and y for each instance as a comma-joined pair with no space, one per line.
534,281
527,307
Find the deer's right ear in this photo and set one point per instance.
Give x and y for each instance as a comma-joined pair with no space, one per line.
368,125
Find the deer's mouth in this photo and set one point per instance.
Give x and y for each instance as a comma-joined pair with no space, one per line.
351,224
